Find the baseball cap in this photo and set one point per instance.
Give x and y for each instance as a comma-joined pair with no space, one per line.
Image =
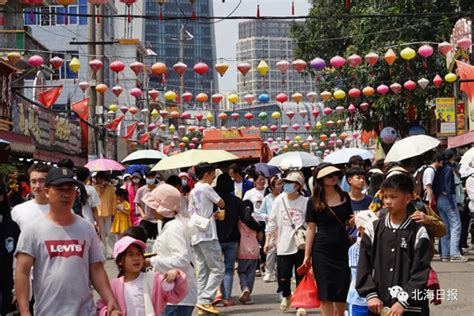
125,242
58,176
295,176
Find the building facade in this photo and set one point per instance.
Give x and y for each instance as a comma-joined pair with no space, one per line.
269,41
198,40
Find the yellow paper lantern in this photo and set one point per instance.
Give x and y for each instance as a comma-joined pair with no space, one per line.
298,138
339,94
408,53
325,95
170,96
154,113
318,126
263,68
450,77
113,107
264,129
185,139
297,97
172,129
14,57
210,117
276,115
233,98
75,65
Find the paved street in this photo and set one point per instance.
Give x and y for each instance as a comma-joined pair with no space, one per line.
453,276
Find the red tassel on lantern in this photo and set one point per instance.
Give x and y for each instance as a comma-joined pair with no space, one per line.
98,15
258,11
348,4
292,8
161,14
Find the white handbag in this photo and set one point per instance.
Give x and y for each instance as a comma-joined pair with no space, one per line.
299,234
200,222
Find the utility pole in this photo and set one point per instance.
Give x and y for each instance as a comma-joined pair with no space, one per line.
91,51
100,97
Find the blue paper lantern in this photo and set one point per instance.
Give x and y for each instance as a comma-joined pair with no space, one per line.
264,98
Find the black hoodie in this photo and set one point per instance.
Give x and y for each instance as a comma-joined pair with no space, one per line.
235,209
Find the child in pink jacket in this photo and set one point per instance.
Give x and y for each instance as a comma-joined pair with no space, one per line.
142,293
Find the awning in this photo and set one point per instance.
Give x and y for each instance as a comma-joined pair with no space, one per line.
461,140
244,143
19,143
54,157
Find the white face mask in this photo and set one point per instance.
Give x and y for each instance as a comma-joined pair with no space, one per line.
150,181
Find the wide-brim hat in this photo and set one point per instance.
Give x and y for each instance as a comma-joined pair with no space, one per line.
164,199
295,176
125,242
326,170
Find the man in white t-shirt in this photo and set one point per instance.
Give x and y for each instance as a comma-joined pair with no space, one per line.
89,208
65,254
31,211
429,175
241,185
205,241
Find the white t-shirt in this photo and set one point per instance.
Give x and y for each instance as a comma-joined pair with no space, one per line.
134,299
28,212
428,177
62,258
201,202
256,197
93,200
238,189
470,192
279,221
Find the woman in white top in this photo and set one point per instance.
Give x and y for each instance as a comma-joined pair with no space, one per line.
289,207
256,194
173,244
276,187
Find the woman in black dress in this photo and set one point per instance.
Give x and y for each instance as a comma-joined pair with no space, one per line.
327,249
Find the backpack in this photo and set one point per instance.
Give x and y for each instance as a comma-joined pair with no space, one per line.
437,185
419,180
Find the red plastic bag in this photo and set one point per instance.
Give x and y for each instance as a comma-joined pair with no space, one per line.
306,294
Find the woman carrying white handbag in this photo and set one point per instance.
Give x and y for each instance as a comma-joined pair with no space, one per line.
285,224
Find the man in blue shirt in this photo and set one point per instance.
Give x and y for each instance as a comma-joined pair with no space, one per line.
445,190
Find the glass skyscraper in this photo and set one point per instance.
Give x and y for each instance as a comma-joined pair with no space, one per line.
199,44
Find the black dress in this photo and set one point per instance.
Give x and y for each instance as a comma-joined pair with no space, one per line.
330,247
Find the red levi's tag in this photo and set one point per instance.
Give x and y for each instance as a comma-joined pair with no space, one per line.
65,248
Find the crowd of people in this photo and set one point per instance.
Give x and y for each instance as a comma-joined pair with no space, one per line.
366,233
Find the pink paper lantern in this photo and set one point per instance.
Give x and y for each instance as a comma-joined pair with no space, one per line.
396,88
273,128
354,60
135,92
445,47
96,65
248,116
437,81
351,108
327,111
425,51
337,61
307,126
84,85
315,113
296,126
137,67
56,62
186,115
364,106
303,113
464,43
235,116
117,90
151,126
36,61
382,89
284,127
371,58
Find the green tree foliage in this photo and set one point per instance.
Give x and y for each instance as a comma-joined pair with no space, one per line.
340,32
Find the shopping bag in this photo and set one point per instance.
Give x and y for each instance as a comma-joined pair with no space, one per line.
306,294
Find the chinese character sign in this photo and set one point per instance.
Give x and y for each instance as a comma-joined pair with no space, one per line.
445,117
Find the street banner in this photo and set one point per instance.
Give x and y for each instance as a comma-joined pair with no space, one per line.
113,125
466,72
130,130
445,117
81,108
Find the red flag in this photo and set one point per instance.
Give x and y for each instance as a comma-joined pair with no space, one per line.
49,97
130,130
81,108
113,125
144,138
466,71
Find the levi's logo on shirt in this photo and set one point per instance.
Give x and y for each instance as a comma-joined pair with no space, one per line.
65,248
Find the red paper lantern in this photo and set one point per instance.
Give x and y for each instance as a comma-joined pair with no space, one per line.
56,62
201,68
217,98
96,65
354,93
180,68
153,94
117,90
409,85
187,97
282,97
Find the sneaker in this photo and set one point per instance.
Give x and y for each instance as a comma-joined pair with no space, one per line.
445,259
217,300
466,251
459,259
258,273
301,312
285,304
266,277
244,297
208,308
200,312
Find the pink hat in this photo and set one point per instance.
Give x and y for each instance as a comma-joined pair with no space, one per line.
165,200
184,174
124,243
